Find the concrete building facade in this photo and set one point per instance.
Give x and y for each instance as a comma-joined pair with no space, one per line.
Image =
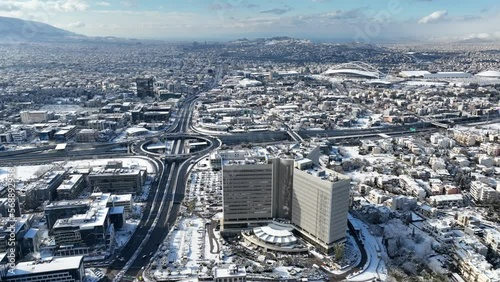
247,195
315,203
319,208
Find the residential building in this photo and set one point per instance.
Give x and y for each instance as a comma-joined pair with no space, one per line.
492,238
482,193
452,200
440,230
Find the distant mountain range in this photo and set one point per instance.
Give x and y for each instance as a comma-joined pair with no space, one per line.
14,30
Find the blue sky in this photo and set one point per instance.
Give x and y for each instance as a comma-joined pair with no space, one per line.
353,20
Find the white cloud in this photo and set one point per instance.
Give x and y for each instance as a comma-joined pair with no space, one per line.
434,17
44,6
76,25
103,4
8,7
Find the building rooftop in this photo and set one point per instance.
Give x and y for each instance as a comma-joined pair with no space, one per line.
231,271
93,217
120,171
120,198
452,197
70,183
46,265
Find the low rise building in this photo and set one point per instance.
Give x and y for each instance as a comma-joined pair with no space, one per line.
473,266
116,179
70,187
90,229
19,136
86,136
482,193
65,133
408,183
124,200
36,116
45,189
492,238
232,273
439,229
66,269
453,200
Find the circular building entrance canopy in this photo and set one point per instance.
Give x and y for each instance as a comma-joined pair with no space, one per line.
278,234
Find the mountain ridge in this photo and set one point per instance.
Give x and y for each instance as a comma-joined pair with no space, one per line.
14,30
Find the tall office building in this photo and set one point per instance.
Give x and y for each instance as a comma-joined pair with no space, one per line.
144,87
319,207
282,187
247,196
315,202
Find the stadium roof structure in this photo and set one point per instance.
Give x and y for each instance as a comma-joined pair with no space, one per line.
354,69
490,73
416,73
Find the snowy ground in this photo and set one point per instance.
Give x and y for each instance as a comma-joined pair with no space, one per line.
352,152
364,122
23,173
375,266
124,234
94,274
186,248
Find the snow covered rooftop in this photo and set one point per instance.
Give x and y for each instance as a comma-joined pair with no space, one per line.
490,73
47,265
275,233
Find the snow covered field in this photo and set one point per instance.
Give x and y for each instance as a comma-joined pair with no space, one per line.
352,152
23,173
185,249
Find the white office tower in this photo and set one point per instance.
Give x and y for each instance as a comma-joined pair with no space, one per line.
320,204
314,201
